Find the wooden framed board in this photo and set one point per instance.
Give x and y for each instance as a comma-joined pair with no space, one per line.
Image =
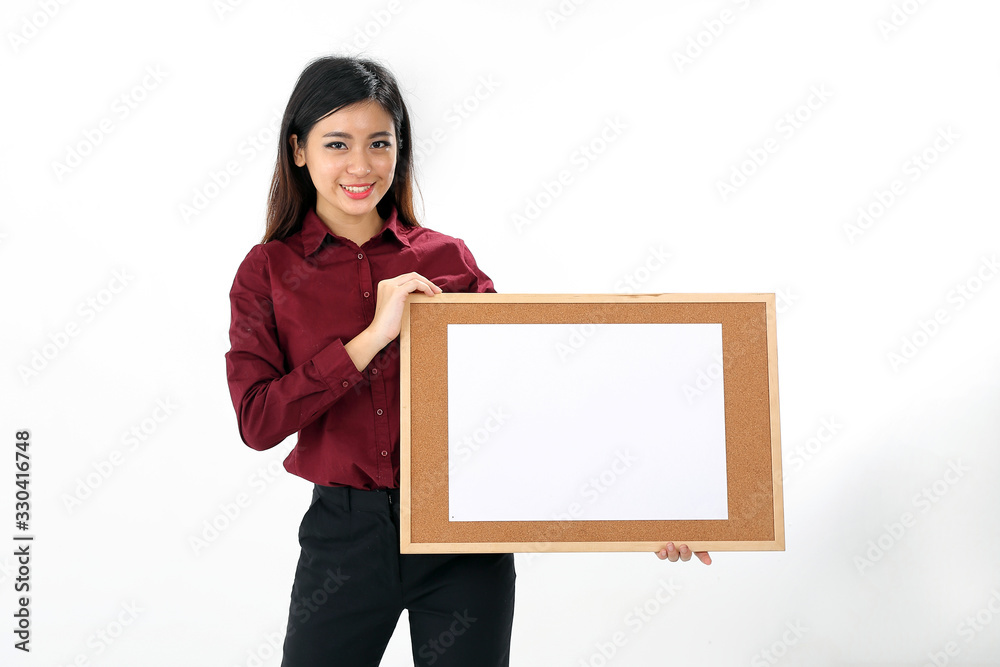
589,422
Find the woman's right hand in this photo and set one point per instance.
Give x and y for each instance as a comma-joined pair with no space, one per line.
389,299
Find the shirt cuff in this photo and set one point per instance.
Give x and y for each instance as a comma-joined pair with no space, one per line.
336,368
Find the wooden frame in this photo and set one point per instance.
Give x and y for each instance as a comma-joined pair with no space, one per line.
752,435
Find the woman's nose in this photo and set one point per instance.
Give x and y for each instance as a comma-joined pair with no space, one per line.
359,167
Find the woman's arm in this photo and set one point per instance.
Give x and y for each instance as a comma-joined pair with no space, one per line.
389,299
271,404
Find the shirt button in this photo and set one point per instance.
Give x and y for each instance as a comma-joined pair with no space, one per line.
379,411
374,371
346,383
367,294
385,453
360,256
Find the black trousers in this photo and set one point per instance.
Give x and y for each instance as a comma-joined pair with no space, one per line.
351,584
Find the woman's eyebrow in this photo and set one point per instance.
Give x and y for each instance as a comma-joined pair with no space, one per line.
347,135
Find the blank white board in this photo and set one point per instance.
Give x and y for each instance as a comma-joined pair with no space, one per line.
607,403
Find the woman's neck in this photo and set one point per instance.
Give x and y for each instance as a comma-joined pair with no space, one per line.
358,230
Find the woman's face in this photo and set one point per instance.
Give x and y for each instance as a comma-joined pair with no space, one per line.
351,158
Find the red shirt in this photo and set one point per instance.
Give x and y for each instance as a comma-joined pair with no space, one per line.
295,302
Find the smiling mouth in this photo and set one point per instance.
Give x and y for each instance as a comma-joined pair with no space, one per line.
358,189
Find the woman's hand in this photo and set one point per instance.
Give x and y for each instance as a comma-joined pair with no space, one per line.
671,553
389,299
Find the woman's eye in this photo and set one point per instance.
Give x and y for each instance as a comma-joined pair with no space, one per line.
336,144
380,144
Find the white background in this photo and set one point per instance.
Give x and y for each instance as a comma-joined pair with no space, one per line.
891,490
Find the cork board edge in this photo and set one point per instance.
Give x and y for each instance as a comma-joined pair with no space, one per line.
772,380
666,297
582,547
404,431
408,546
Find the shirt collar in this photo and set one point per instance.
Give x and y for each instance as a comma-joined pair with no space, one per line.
315,231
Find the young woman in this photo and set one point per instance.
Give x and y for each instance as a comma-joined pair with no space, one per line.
316,312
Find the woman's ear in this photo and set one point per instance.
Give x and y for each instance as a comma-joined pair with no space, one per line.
298,152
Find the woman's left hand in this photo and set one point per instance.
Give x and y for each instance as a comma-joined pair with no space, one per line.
672,553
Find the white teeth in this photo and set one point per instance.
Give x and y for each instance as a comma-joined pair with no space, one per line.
356,189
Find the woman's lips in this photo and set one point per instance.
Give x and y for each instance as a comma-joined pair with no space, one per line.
358,191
